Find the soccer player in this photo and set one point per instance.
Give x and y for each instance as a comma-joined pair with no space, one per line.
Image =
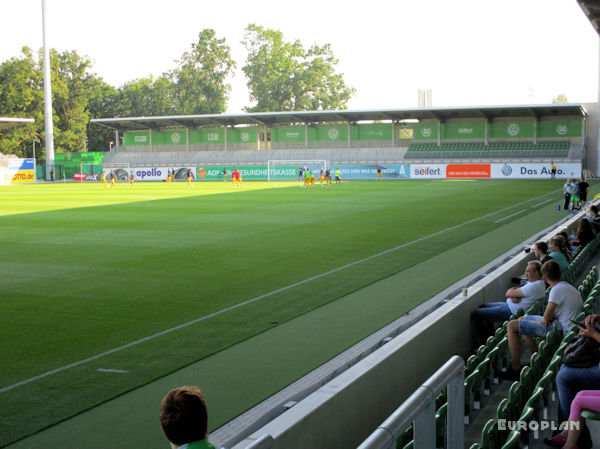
235,177
104,184
168,177
312,180
328,175
113,179
306,177
189,177
131,179
224,174
378,177
338,176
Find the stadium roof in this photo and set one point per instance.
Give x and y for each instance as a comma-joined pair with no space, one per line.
591,8
9,122
282,118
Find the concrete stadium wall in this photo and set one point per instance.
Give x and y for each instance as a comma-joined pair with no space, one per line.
345,411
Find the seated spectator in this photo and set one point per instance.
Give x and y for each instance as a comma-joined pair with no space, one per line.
584,235
517,298
558,251
569,380
568,438
184,418
564,303
540,250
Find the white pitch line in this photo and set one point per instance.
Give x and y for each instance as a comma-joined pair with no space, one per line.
107,370
258,298
542,203
510,216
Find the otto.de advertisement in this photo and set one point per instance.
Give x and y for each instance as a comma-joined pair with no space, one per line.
18,171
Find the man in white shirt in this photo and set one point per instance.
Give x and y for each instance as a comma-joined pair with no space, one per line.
564,303
516,298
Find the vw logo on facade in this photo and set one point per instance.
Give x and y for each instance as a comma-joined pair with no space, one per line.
507,170
175,138
426,132
245,136
333,133
562,129
513,129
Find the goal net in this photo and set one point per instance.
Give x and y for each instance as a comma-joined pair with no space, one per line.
93,172
291,169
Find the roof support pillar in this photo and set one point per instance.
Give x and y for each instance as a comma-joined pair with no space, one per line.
306,136
349,142
487,132
151,143
225,138
439,133
117,140
535,130
187,139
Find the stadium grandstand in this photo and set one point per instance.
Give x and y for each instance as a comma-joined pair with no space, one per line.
541,133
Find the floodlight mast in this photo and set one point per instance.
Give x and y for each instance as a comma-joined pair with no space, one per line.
47,98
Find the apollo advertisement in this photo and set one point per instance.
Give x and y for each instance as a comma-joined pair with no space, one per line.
157,173
19,171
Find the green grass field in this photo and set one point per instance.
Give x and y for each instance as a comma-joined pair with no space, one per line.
90,278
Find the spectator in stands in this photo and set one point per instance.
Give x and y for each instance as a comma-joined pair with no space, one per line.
570,381
184,418
558,251
540,250
564,303
569,437
584,235
592,215
517,298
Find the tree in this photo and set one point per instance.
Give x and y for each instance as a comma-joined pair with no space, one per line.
283,76
560,98
21,97
199,81
147,97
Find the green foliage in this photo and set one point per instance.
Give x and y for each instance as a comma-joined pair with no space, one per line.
560,98
200,78
283,76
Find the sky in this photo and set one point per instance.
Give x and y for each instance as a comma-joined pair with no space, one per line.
468,52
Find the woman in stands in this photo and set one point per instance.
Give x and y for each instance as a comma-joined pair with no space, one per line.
558,251
584,235
569,382
541,252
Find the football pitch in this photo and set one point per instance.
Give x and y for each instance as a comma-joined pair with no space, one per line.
103,291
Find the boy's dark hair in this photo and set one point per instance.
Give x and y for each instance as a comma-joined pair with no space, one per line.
551,270
183,415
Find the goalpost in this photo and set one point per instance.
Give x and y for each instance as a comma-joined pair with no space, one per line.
289,169
93,172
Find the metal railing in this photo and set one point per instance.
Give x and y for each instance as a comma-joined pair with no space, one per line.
419,410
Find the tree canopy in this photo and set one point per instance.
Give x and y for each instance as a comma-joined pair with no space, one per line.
283,76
